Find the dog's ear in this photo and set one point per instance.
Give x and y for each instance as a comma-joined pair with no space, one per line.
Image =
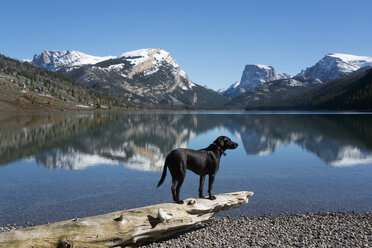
220,141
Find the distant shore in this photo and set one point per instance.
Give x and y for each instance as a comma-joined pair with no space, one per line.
330,229
46,109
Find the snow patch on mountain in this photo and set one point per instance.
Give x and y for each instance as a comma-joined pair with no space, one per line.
222,90
353,60
334,66
57,60
235,85
293,83
265,67
116,67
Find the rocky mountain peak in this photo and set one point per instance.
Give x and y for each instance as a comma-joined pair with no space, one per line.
253,75
151,59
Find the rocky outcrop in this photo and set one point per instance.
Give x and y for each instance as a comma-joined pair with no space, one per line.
253,75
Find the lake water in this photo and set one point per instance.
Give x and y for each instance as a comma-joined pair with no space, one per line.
63,166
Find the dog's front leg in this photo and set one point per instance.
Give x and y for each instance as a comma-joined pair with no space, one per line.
210,186
201,186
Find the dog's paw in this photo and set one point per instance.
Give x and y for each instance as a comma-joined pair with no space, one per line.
212,197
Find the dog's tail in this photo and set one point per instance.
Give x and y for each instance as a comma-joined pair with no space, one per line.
163,175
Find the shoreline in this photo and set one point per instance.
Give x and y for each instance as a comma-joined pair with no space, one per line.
331,229
115,109
328,229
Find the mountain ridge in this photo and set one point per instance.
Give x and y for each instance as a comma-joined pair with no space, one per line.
332,67
152,78
147,77
56,60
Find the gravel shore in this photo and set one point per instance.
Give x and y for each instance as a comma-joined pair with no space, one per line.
9,227
332,229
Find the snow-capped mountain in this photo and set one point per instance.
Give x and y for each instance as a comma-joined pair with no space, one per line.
147,77
334,66
252,76
65,60
150,61
262,86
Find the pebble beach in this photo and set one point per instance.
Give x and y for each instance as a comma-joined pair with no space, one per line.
331,229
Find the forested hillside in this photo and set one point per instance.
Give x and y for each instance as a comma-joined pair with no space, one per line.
353,93
25,86
347,94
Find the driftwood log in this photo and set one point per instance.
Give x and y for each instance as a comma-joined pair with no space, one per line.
123,228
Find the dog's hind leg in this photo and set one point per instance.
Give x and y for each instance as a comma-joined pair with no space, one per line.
173,188
210,186
179,184
179,174
201,186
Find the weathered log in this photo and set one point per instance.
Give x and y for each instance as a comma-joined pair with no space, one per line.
127,227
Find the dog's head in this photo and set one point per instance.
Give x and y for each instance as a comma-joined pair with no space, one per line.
225,143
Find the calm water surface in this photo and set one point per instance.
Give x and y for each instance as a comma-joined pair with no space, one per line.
56,167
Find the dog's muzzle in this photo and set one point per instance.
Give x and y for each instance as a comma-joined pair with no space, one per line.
234,145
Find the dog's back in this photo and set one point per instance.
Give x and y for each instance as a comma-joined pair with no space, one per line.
181,159
194,160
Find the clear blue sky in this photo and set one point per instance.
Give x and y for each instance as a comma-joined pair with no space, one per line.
211,40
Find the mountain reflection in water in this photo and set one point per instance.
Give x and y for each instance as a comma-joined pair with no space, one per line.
142,141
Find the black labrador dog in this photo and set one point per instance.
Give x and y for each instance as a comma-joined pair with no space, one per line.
202,162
